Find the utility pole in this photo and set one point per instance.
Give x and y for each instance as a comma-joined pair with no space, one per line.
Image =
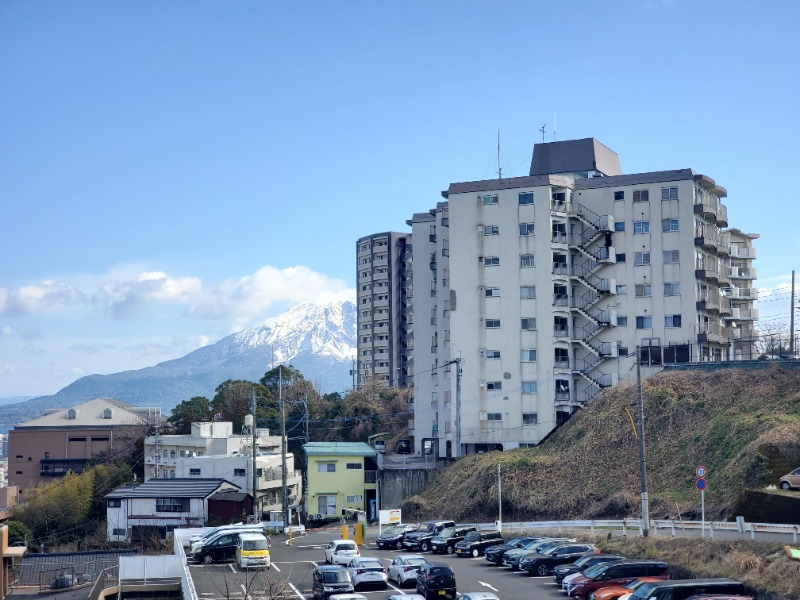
499,501
642,465
458,407
791,321
256,518
284,498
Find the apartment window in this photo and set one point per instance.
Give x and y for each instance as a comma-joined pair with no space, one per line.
172,504
619,226
644,322
526,198
527,292
194,472
672,289
641,196
494,385
561,355
622,321
530,419
528,355
619,195
182,453
641,259
492,353
641,227
669,224
492,323
670,257
622,289
644,290
355,466
490,199
529,387
672,321
491,261
526,228
620,257
239,473
526,260
491,230
623,351
494,416
492,292
326,467
669,193
528,323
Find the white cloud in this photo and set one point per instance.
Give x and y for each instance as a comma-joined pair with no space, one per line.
42,297
7,368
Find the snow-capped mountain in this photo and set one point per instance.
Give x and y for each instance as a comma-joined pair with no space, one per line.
319,341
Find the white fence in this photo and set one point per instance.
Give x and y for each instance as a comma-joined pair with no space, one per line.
187,584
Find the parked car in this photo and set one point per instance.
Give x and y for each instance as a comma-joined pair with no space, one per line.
403,568
616,573
494,554
340,552
680,589
421,538
329,580
406,597
366,570
583,563
196,541
477,596
613,592
512,557
380,446
445,541
476,542
347,597
436,580
252,551
403,447
542,563
220,547
392,538
791,481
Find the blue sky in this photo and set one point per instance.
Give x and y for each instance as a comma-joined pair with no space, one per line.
171,172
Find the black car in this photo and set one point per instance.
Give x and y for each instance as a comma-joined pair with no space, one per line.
421,538
583,563
220,547
543,564
403,447
436,580
476,542
392,538
447,538
331,579
494,554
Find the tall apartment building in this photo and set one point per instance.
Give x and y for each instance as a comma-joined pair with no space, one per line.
384,326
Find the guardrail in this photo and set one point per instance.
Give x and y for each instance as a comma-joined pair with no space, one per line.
187,583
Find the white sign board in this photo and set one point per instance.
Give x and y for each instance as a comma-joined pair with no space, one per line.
390,517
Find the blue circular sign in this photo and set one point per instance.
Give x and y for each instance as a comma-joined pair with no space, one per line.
701,484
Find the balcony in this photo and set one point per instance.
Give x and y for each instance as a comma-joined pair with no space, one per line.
705,270
747,314
744,273
722,215
705,207
559,237
744,293
742,251
561,332
709,303
707,237
561,364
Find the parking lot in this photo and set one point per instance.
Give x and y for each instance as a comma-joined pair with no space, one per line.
293,566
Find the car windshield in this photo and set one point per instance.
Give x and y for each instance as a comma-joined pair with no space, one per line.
447,532
584,560
415,561
369,564
595,570
335,576
472,536
254,544
441,571
514,543
643,591
394,530
632,585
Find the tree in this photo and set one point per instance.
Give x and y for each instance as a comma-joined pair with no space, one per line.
190,411
18,532
772,340
234,399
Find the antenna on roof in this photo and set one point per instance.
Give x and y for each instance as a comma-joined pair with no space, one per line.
554,126
543,129
499,168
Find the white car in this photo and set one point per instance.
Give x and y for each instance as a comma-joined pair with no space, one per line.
341,552
406,597
347,597
403,568
366,571
567,580
478,596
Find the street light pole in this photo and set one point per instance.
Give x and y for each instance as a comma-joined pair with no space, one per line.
642,464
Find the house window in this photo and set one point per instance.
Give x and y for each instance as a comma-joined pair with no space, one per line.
494,416
491,261
194,472
672,289
671,257
641,196
529,387
494,385
526,198
526,260
118,531
620,257
528,355
357,499
644,290
672,321
490,199
528,323
492,292
622,321
530,418
115,503
355,466
619,195
239,472
527,292
641,259
619,226
641,227
492,354
644,322
669,224
623,351
492,323
669,193
491,230
172,505
326,467
183,453
526,228
622,289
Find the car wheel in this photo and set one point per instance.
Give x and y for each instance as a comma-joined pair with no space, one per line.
425,546
542,570
785,485
476,553
394,546
207,559
450,549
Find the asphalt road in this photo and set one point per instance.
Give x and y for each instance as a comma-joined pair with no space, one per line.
293,565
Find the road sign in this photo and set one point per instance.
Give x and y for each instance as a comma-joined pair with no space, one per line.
701,484
701,472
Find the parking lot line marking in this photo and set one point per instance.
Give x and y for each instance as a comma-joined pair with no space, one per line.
274,566
296,591
231,566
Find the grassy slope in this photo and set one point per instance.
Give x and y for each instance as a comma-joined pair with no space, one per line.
743,426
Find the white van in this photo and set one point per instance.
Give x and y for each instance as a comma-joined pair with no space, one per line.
252,551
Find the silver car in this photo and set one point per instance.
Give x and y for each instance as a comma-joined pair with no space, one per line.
403,568
367,571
